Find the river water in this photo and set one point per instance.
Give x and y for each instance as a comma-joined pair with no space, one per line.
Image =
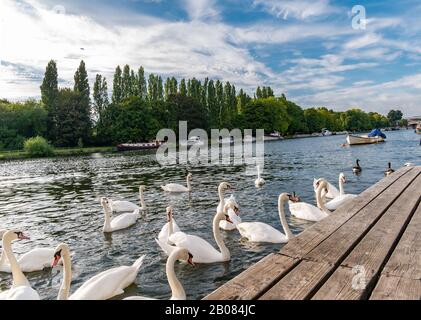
57,200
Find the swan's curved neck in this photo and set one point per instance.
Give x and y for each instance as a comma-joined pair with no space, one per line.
142,199
2,257
177,290
19,278
218,238
107,221
258,172
64,292
221,195
170,227
284,222
188,183
341,187
320,202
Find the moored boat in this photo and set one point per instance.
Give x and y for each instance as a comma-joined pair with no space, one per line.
139,146
354,139
418,129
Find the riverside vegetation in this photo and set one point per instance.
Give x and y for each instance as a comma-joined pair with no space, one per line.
140,106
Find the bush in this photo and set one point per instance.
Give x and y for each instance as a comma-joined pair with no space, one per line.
38,147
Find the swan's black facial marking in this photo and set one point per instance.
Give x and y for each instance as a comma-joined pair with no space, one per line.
190,259
236,210
20,235
57,257
228,218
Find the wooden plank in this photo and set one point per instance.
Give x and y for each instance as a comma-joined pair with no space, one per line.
339,243
314,235
397,288
298,284
309,275
255,280
401,276
365,261
406,258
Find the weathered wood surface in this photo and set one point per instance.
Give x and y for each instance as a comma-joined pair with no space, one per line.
401,276
328,260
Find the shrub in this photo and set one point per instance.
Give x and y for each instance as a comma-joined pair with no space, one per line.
38,147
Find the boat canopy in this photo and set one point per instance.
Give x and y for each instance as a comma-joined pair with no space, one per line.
377,133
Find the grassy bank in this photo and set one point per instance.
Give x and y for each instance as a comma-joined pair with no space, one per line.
59,152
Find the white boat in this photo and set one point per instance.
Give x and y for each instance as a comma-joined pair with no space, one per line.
326,132
365,139
273,136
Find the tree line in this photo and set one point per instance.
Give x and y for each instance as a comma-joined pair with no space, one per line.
141,105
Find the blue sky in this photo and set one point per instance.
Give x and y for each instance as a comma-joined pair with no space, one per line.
306,49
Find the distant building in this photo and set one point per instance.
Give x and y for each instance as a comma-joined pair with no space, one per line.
413,121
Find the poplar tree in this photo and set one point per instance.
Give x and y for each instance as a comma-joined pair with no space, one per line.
141,84
117,86
49,97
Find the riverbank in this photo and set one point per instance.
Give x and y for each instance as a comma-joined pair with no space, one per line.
59,152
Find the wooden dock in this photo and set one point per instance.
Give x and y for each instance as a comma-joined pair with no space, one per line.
369,248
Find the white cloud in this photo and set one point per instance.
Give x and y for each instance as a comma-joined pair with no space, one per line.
301,10
200,9
364,40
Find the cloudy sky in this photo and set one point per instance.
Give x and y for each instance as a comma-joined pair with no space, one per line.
310,49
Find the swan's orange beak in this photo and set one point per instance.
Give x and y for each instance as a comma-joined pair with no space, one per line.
56,259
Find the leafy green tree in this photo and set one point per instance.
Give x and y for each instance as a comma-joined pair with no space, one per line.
117,96
183,87
131,120
19,121
100,96
142,89
394,116
73,119
269,114
82,88
126,83
49,96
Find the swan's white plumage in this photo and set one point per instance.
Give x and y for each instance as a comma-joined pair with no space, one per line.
332,193
261,232
20,293
338,201
123,206
109,283
306,211
174,187
225,225
202,251
34,260
124,220
163,234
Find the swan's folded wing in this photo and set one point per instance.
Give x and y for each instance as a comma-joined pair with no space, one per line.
36,259
339,201
306,211
174,187
104,285
168,249
125,220
260,232
333,192
202,251
163,234
124,206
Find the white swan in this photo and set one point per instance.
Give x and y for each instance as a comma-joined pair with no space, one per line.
169,228
103,286
225,225
21,289
120,222
175,187
127,206
332,191
262,232
36,259
308,211
203,251
342,198
259,182
177,290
